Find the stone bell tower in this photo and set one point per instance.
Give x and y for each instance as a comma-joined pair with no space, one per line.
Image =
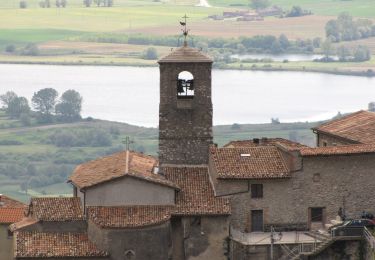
185,111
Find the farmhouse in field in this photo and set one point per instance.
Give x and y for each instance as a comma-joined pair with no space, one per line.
200,201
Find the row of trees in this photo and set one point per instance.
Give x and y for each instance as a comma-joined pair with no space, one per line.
344,53
63,3
45,104
344,28
98,3
58,3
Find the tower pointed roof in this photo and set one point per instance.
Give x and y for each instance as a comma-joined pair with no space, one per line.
186,54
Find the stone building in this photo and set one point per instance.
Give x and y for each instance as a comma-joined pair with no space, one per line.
197,200
355,128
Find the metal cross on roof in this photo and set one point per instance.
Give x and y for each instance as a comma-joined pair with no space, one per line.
185,31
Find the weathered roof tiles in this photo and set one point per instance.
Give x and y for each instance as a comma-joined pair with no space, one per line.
358,127
42,245
196,196
117,166
56,209
129,216
262,162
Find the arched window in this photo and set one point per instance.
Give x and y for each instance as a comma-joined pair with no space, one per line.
129,255
185,85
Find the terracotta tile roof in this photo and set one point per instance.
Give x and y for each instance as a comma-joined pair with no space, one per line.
186,54
290,145
262,162
196,196
11,210
129,216
114,166
25,222
339,150
358,127
56,209
45,245
11,215
7,202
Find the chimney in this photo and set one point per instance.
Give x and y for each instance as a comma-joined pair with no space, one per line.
127,162
371,106
263,141
1,202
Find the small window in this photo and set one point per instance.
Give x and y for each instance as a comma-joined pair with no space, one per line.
316,214
129,255
185,85
316,177
324,143
256,191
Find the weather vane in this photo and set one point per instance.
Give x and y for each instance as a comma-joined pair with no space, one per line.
185,31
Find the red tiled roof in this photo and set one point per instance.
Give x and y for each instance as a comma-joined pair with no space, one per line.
129,216
290,145
196,196
186,54
7,202
11,210
56,209
358,127
114,166
339,150
11,215
45,245
262,162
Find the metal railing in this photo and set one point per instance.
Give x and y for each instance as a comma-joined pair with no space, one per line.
369,238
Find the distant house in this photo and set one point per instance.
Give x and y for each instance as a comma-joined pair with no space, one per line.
270,11
11,211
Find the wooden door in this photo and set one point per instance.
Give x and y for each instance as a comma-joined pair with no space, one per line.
257,220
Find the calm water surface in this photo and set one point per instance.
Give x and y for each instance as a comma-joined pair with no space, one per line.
131,94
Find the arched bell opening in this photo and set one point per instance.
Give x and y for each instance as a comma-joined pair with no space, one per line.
185,85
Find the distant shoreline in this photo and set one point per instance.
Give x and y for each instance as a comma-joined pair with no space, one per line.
127,64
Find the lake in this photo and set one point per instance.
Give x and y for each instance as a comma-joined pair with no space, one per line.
131,94
281,57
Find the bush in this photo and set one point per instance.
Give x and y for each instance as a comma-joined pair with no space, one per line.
30,50
10,48
10,142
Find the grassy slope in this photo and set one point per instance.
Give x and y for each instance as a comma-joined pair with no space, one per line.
360,8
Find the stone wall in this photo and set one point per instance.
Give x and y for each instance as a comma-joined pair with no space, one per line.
128,191
135,244
6,243
185,126
329,182
200,238
331,140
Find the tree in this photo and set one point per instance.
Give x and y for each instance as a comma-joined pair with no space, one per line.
6,98
63,3
151,54
295,12
362,53
23,4
10,48
87,3
284,42
70,106
18,106
259,4
44,101
327,48
343,53
333,30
